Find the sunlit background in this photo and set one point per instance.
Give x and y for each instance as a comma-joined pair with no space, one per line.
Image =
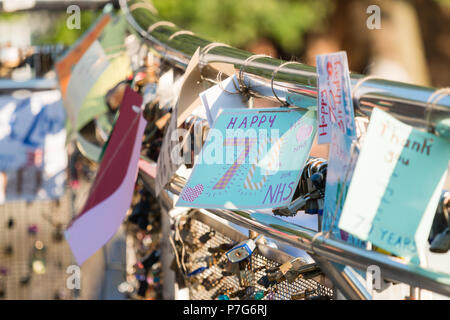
413,44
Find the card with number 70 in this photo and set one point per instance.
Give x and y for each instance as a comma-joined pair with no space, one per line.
253,158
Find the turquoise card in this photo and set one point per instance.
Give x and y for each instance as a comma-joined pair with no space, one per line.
396,186
339,174
253,158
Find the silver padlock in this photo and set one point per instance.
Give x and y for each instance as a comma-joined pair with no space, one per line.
241,251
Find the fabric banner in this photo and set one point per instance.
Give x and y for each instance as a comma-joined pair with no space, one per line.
111,193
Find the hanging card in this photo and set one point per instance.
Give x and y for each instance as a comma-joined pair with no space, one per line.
64,66
165,166
165,91
396,186
189,98
220,96
111,193
253,158
84,75
339,174
334,100
91,68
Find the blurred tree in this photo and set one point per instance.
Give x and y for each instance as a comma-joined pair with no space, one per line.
240,23
60,34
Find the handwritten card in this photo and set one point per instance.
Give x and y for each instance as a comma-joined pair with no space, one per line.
334,100
396,185
339,174
220,96
253,158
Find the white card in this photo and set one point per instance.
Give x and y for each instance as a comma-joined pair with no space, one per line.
165,90
222,96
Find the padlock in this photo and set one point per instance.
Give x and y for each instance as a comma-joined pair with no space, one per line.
205,237
441,243
197,271
9,250
302,295
151,259
245,272
222,248
265,282
241,251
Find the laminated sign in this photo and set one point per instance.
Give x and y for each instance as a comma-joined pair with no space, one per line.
395,188
337,126
334,101
339,174
253,158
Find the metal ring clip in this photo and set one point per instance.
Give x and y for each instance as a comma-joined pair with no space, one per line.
283,103
179,33
160,24
143,5
241,71
434,98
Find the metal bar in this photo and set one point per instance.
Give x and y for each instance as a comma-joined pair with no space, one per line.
8,85
331,249
349,286
406,102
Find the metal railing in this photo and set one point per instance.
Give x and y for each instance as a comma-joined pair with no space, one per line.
406,102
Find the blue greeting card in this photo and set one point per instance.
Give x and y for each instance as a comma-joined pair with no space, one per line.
396,186
334,99
253,158
339,174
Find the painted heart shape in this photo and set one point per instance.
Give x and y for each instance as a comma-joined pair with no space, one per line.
344,235
304,132
190,194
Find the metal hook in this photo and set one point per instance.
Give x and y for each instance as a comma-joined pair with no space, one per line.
241,71
205,50
160,24
355,97
143,5
211,46
436,96
285,103
208,48
176,34
179,33
219,83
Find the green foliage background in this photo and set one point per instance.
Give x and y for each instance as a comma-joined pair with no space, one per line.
235,22
62,35
239,22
